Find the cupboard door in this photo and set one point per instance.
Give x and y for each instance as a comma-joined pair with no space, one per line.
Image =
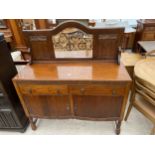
97,106
47,106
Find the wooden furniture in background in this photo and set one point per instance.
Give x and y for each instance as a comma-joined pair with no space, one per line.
143,93
49,24
128,39
7,35
129,60
12,116
91,89
82,21
145,47
26,24
86,22
16,30
3,24
42,24
145,31
18,39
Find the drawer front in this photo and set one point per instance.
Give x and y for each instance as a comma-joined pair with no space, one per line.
98,90
149,36
41,89
151,28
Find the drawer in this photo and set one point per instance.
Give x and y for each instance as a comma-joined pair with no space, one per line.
41,89
98,90
149,28
149,36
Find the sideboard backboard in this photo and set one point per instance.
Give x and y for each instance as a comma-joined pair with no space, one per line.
105,42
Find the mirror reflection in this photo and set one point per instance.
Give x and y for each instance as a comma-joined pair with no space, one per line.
72,43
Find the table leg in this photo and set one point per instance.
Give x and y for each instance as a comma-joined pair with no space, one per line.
128,111
118,127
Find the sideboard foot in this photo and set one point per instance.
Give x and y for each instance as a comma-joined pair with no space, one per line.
33,123
118,127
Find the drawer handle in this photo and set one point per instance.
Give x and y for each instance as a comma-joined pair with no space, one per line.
114,92
82,90
30,91
75,107
58,92
67,107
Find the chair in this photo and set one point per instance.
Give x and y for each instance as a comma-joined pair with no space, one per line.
143,91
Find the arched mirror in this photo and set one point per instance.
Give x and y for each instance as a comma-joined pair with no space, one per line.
73,43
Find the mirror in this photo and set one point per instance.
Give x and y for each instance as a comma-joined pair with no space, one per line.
72,43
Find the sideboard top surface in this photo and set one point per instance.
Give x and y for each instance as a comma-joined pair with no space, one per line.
74,71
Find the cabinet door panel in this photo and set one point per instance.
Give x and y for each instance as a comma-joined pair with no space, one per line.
98,106
48,106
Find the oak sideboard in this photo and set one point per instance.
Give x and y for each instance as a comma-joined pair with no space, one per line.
94,86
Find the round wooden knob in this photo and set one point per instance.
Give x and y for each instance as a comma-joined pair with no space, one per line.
82,90
58,92
67,107
30,91
114,92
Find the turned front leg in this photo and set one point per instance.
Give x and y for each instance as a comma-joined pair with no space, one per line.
118,127
33,123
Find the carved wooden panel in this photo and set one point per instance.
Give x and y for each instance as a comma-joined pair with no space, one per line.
107,46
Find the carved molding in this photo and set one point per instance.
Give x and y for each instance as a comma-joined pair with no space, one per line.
38,38
107,36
